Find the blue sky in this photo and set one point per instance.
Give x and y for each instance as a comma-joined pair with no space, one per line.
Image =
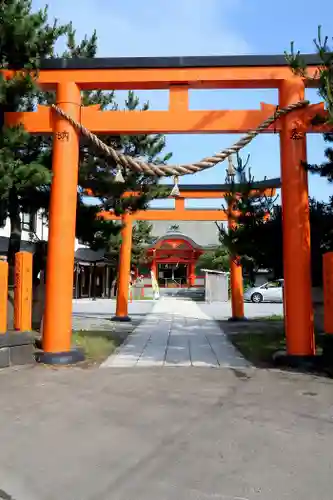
207,27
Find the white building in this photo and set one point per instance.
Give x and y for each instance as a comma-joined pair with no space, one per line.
34,228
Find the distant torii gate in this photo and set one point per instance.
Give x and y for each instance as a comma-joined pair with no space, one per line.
181,213
68,77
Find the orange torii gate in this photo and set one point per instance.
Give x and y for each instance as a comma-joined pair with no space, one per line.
181,213
68,77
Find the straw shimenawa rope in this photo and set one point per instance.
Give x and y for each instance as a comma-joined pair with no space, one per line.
178,170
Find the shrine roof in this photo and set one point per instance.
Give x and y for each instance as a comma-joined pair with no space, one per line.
173,62
85,254
203,233
175,235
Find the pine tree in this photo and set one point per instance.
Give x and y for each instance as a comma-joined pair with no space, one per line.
97,172
324,75
269,238
26,161
25,38
258,240
97,175
141,238
248,213
215,259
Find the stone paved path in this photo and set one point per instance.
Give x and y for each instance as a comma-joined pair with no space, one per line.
177,333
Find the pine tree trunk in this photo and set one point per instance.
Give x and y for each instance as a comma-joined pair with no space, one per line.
14,243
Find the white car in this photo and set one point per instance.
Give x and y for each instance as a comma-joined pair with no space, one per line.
271,291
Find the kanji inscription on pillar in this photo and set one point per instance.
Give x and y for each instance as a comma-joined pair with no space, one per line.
62,136
297,131
295,135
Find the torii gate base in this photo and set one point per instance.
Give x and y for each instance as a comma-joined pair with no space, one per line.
68,78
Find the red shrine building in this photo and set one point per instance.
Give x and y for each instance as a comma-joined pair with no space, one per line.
173,256
173,260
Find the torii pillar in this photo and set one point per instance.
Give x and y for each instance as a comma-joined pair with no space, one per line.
296,229
57,329
124,269
236,280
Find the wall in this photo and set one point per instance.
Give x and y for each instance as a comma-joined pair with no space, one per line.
216,287
41,229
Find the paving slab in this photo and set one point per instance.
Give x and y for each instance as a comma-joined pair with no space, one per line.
203,356
178,355
177,333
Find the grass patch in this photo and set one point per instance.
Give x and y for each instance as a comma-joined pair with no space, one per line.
259,347
97,345
274,317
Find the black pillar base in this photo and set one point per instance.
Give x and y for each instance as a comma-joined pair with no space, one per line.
237,319
121,319
60,358
308,362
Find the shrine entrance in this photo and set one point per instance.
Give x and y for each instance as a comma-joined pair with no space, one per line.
173,260
68,118
173,275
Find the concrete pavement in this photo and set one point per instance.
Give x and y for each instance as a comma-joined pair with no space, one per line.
165,434
153,434
177,333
